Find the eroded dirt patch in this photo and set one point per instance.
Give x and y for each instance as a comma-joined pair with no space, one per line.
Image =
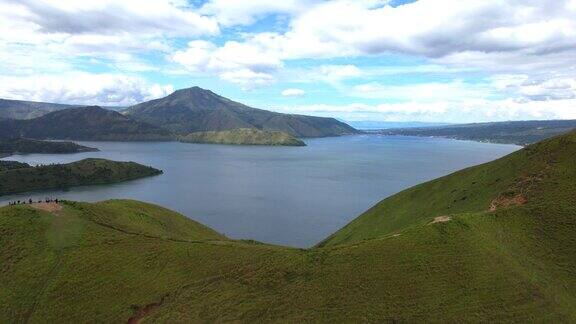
49,207
441,219
502,202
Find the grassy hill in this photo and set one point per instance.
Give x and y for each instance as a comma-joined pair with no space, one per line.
199,110
243,136
492,243
513,132
85,123
27,146
24,178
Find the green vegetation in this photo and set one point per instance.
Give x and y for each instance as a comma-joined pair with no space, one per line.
492,243
86,123
11,165
517,132
28,146
84,172
243,136
198,110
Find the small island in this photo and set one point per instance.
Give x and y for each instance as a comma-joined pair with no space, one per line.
10,146
243,136
16,177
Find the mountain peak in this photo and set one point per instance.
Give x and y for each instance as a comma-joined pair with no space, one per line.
195,90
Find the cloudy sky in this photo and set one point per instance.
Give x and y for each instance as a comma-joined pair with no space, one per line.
379,60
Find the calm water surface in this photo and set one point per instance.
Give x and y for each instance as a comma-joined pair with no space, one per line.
286,195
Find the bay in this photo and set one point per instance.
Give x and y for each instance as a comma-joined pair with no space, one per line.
293,196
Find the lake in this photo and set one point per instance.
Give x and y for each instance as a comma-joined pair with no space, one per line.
292,196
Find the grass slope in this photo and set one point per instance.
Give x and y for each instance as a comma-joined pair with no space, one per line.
243,136
83,172
110,261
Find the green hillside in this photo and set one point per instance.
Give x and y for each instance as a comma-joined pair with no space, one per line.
473,190
243,136
11,146
56,176
10,165
493,243
83,124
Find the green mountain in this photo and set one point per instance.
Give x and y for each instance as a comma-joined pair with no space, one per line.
11,146
16,178
492,243
243,136
198,110
19,109
514,132
85,123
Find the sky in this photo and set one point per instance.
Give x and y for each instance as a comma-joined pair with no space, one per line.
356,60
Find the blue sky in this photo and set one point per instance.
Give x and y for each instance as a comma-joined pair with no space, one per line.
379,60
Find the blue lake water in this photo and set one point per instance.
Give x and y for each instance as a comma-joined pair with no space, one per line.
285,195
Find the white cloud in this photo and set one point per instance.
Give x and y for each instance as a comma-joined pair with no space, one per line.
110,17
293,92
463,111
337,72
82,88
487,34
248,66
110,29
456,90
246,12
437,28
514,36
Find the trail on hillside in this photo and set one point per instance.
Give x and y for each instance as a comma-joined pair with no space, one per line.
51,274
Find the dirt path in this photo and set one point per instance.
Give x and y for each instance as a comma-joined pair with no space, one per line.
49,207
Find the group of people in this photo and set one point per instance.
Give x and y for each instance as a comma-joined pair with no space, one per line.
30,201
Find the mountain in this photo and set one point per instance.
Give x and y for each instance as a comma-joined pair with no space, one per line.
11,146
491,243
377,125
197,110
514,132
24,178
19,109
243,136
85,123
